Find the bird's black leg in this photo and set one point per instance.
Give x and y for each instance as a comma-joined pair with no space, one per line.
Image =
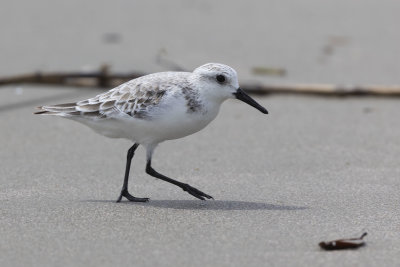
124,191
191,190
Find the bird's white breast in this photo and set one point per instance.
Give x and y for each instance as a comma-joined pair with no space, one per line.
174,121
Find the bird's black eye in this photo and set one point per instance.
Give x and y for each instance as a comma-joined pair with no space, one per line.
221,78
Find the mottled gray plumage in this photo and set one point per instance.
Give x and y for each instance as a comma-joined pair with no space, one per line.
135,98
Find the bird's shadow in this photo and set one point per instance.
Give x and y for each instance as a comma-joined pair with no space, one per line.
207,205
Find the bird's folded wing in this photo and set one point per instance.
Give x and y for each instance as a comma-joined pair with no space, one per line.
136,100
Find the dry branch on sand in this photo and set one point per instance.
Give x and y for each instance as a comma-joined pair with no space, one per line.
105,79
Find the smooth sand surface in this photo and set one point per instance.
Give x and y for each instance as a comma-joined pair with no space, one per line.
313,169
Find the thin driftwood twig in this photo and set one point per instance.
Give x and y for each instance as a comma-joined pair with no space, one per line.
105,79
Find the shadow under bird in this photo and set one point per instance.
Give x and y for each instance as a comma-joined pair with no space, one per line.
157,107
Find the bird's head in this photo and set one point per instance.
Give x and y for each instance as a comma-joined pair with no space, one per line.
220,82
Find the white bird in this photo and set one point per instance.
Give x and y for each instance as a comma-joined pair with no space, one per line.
157,107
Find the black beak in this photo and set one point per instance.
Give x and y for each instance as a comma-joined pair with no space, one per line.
241,95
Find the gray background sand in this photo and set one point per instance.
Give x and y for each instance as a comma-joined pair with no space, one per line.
313,169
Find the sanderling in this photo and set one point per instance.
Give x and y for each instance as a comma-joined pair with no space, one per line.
157,107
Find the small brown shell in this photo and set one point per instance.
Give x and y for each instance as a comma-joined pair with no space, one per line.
350,243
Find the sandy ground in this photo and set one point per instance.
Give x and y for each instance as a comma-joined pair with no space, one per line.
313,169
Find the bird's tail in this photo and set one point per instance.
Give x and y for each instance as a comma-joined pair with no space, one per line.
65,110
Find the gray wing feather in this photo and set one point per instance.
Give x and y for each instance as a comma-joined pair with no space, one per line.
133,99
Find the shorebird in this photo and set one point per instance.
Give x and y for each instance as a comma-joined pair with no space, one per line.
155,108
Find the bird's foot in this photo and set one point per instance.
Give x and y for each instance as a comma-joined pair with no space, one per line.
125,193
196,192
